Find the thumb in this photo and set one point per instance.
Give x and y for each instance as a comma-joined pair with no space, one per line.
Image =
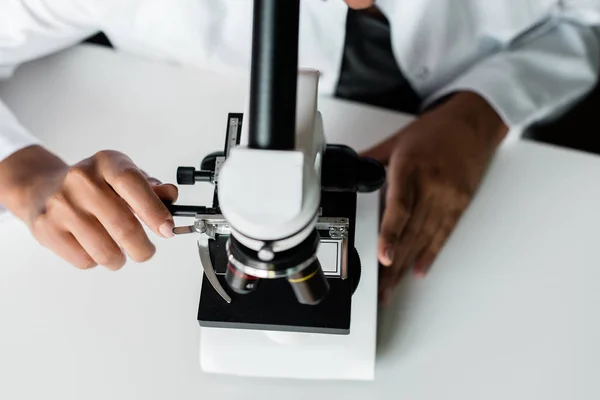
166,192
382,151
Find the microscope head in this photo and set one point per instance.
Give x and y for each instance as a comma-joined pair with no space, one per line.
269,191
271,200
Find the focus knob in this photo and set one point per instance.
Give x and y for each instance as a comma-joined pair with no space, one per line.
371,175
185,175
189,175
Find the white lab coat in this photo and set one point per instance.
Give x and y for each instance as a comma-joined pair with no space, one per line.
528,58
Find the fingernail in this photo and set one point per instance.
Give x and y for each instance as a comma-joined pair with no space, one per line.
422,269
389,254
166,229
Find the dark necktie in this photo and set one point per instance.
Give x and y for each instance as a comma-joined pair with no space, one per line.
369,72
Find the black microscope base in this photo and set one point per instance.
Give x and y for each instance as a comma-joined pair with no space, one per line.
256,311
273,306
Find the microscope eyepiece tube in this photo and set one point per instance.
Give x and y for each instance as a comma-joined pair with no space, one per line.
274,74
310,285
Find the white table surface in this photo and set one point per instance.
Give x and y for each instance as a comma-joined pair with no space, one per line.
510,310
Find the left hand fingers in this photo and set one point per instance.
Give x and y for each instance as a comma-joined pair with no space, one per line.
423,238
165,191
406,242
420,213
426,258
382,152
412,247
386,275
431,228
399,203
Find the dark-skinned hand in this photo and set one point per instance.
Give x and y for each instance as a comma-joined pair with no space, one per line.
435,165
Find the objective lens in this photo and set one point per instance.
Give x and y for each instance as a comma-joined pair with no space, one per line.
310,285
238,281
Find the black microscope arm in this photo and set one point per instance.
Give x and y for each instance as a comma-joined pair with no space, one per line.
274,75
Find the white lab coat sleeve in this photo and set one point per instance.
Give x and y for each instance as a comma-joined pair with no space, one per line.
31,29
540,73
13,136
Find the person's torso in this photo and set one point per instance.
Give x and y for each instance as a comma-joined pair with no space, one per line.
433,41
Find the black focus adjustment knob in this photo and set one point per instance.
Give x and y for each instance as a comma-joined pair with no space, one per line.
189,175
344,170
185,175
371,175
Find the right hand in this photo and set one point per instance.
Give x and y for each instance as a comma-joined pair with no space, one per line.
86,213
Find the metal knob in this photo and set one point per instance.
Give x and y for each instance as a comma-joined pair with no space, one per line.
189,175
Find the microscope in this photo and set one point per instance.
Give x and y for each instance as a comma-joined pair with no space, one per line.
277,243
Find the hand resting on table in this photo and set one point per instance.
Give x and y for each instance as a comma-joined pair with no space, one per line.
435,166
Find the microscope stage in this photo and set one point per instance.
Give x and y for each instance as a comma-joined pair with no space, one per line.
272,305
